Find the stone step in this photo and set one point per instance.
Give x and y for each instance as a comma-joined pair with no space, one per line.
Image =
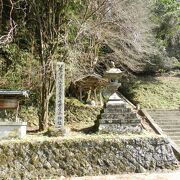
174,138
164,123
164,112
168,122
169,127
118,115
117,128
172,134
117,110
121,122
116,106
167,113
177,142
171,130
166,117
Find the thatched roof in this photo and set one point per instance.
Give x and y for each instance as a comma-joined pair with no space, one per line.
90,81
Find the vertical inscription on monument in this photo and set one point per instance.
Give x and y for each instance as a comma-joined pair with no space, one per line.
59,113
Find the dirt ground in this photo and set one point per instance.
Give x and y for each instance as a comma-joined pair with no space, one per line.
175,175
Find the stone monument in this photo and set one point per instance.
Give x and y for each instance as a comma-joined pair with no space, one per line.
59,112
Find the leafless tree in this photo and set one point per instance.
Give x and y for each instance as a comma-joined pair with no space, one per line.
7,37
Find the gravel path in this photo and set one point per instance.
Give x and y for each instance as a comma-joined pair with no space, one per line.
145,176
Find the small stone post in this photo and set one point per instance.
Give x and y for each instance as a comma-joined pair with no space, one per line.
101,98
59,112
80,94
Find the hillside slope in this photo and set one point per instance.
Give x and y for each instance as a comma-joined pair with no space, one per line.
158,92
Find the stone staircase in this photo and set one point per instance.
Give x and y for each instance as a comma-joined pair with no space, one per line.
169,122
119,117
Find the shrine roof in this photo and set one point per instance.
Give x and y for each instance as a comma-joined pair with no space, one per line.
91,81
14,93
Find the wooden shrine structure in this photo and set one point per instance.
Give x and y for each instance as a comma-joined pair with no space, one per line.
90,84
10,99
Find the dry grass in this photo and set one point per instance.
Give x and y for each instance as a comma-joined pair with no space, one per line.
75,136
160,92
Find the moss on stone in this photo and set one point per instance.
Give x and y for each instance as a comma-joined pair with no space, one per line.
78,115
53,132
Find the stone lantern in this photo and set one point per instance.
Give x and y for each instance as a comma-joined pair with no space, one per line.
113,76
118,116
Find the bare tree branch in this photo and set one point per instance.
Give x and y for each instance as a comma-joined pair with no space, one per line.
1,11
6,39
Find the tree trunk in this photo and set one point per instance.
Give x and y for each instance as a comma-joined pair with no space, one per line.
44,113
44,103
43,121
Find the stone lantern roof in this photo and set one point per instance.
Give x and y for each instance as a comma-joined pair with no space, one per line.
114,71
113,75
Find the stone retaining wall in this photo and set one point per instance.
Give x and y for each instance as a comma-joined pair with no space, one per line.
96,155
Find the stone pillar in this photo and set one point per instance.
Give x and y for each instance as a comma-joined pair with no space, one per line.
89,95
95,94
101,98
59,112
80,94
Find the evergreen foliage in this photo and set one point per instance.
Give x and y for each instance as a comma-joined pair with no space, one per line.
168,31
